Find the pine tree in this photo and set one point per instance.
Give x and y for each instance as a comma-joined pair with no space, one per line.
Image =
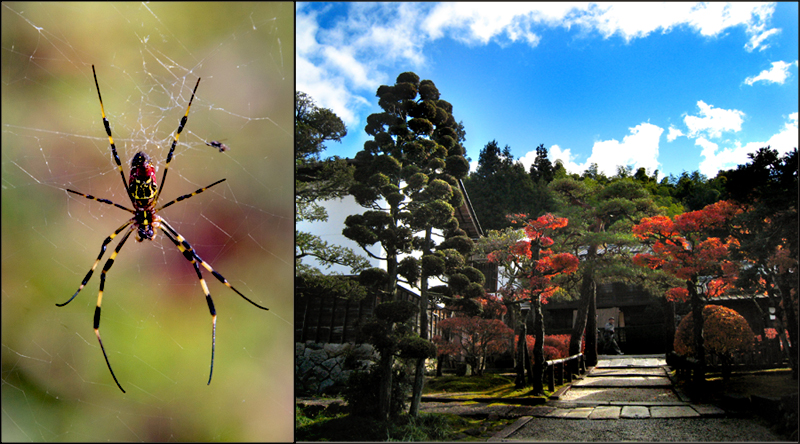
407,177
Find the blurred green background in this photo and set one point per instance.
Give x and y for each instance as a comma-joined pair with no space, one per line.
155,322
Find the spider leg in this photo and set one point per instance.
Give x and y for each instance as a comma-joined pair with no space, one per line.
106,267
185,248
100,256
186,196
190,257
175,140
105,201
108,131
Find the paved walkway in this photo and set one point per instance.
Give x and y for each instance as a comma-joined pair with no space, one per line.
637,396
628,387
618,387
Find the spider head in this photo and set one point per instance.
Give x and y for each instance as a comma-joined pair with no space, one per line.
145,232
142,186
147,225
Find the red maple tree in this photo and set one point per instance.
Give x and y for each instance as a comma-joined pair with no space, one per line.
530,266
692,246
474,338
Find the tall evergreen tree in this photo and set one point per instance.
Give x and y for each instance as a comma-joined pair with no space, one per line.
501,186
407,177
542,169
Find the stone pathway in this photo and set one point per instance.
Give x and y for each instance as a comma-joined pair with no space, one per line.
618,388
627,387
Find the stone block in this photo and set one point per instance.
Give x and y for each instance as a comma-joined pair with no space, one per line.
605,412
683,411
315,356
634,412
559,413
708,410
579,413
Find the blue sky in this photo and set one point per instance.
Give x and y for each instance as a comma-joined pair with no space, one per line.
672,87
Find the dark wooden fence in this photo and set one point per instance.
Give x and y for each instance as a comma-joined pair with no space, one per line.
764,355
559,370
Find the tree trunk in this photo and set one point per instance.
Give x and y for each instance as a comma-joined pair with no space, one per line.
419,381
700,350
522,353
419,373
591,330
385,389
512,322
791,318
538,347
578,329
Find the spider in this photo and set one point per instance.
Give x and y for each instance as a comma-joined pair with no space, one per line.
143,192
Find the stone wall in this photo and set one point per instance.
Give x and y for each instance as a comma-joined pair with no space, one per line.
325,368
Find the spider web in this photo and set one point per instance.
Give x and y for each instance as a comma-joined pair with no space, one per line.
155,324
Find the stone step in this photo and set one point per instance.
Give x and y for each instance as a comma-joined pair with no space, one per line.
627,372
622,394
628,381
636,412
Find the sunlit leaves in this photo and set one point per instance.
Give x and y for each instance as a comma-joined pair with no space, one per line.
529,260
686,246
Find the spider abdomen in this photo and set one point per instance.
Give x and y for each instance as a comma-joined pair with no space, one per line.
142,186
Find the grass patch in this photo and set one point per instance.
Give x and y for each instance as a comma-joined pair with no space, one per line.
426,427
317,423
488,385
459,384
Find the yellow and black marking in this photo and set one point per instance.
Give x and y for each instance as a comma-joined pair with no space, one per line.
189,254
186,196
106,267
108,130
142,187
184,119
99,256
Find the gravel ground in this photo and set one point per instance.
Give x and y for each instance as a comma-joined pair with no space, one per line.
652,430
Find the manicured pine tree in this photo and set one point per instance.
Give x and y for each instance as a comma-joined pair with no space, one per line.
407,177
601,217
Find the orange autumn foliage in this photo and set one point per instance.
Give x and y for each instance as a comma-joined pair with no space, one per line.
724,331
684,247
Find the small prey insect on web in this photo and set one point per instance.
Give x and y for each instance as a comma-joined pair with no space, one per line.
218,145
143,191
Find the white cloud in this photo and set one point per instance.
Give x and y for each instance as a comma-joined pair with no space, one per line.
638,149
711,121
674,133
756,40
777,74
567,159
340,66
716,159
482,22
